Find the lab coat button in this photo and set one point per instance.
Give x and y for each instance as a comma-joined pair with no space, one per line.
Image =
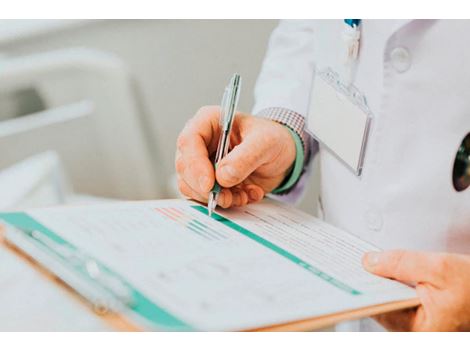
374,220
401,59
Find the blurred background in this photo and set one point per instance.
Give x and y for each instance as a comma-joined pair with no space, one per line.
90,112
90,109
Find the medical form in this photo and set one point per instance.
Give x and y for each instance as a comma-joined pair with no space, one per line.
261,265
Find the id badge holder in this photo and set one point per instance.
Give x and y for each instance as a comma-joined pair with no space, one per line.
339,119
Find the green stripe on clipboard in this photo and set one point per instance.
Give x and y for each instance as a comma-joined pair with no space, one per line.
293,258
142,306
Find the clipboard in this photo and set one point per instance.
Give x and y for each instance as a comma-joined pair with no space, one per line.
115,321
144,315
140,314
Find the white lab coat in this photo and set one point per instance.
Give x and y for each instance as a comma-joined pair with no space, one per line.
416,79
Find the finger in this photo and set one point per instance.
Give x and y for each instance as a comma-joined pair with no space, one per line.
401,320
225,198
255,193
199,174
244,198
196,170
193,148
406,266
235,197
188,192
205,125
240,197
241,161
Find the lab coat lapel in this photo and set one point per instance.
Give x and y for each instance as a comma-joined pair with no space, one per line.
395,25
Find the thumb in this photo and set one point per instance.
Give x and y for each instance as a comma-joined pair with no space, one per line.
241,162
407,266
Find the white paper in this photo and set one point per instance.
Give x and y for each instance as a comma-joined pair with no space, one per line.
214,277
30,302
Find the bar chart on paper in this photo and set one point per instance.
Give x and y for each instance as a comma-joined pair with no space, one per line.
198,226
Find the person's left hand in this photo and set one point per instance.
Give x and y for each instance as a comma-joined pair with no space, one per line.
442,284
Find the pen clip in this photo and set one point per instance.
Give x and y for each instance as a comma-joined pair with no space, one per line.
223,109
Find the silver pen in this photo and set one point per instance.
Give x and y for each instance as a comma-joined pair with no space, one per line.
228,108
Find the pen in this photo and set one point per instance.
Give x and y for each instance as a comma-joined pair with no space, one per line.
228,108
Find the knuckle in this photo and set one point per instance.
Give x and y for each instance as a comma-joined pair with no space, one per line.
181,141
205,112
179,165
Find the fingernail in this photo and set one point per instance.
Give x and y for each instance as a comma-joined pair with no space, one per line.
254,196
204,183
228,173
372,259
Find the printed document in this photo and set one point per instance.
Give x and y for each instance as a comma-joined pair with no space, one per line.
260,265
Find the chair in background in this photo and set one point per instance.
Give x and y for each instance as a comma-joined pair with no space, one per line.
81,104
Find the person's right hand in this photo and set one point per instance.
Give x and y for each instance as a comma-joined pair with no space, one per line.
261,156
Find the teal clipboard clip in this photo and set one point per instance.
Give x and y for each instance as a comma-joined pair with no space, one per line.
105,290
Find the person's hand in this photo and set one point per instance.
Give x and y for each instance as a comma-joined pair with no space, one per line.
262,153
442,284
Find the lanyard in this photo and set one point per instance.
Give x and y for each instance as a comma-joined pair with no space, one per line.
352,22
351,37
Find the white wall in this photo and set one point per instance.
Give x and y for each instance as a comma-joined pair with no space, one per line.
179,65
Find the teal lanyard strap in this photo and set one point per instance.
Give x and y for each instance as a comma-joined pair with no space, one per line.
353,22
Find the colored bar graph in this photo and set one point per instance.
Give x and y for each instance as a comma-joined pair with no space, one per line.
198,227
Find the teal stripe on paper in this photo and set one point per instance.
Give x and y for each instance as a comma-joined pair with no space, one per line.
293,258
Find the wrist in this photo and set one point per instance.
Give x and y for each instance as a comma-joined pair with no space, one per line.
295,124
